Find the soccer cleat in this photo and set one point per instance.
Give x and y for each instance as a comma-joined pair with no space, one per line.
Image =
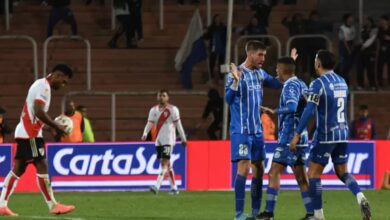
265,216
308,217
154,190
241,217
365,209
173,192
59,209
251,217
5,211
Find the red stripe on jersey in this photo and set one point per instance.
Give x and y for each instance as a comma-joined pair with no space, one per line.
161,120
32,129
40,101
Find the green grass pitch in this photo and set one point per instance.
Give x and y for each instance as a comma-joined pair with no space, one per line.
218,205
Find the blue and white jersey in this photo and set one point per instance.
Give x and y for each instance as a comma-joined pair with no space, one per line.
245,99
291,105
329,92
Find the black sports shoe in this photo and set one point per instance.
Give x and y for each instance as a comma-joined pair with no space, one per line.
365,209
265,216
250,218
308,217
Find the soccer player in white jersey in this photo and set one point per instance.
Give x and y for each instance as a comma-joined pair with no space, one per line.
327,96
30,143
166,118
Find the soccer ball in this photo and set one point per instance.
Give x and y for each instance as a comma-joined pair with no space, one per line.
66,122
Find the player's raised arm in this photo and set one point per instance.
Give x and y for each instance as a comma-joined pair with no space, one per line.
232,84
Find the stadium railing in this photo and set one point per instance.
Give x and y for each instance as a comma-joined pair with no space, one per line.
122,93
79,38
34,47
6,14
292,38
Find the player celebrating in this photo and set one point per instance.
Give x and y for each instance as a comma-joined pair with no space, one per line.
328,95
30,144
291,105
166,118
244,94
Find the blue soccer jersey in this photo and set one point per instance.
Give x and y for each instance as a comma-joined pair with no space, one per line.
291,105
329,94
245,99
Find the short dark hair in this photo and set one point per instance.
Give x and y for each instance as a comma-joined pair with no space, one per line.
65,69
254,45
163,91
288,61
363,107
327,59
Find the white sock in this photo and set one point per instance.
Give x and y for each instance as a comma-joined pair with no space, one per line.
171,177
160,178
44,185
359,197
319,214
10,183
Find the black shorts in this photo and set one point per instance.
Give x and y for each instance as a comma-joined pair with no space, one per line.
30,150
164,151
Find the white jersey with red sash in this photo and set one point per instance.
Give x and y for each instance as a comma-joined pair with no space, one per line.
30,126
164,119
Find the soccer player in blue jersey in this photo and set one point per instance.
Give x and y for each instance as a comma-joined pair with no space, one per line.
244,94
291,105
328,96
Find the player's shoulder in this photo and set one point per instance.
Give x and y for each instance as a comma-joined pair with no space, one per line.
172,107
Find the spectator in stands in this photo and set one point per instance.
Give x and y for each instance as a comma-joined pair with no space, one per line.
296,26
254,28
363,128
346,35
136,10
88,135
214,105
122,13
384,51
262,9
78,124
216,35
269,127
4,128
87,2
367,54
60,12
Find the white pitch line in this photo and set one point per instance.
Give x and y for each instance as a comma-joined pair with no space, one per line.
51,217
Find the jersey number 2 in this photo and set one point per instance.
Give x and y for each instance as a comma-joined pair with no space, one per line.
340,110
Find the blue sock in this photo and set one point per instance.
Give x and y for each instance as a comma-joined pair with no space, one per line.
351,183
307,202
256,194
272,196
239,190
315,193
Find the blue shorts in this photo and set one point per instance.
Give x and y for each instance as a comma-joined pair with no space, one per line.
284,156
247,147
320,153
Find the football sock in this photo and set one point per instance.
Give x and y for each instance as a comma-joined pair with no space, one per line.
239,191
315,192
45,187
160,178
307,202
256,193
171,177
271,198
351,183
10,183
